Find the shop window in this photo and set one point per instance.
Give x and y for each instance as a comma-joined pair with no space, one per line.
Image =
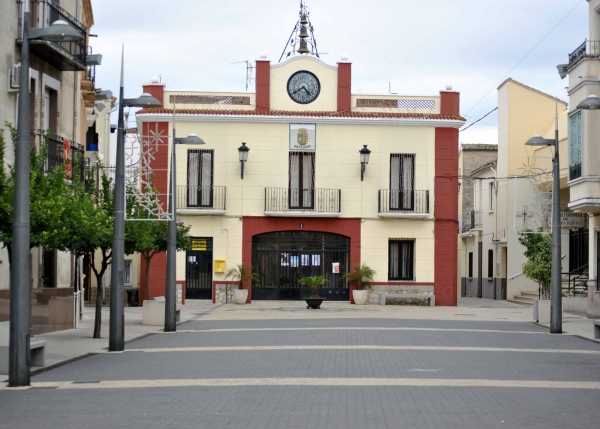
470,265
490,264
128,272
401,260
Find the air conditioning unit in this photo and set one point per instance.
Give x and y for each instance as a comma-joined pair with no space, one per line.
14,73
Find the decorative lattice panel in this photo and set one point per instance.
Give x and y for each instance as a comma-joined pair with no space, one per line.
396,104
210,99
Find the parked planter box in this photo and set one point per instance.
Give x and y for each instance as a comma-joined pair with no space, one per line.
240,296
360,296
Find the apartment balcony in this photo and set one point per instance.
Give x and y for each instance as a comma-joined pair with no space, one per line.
396,203
61,151
204,200
286,202
65,56
588,49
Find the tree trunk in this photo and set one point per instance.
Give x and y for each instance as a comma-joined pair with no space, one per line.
98,320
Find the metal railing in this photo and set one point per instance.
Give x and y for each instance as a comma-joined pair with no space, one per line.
588,49
42,13
310,200
401,201
576,282
201,197
476,221
574,171
61,152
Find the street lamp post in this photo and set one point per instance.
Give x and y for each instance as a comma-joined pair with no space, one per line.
170,300
556,287
116,335
20,311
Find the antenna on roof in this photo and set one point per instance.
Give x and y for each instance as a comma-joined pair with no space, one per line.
249,68
303,42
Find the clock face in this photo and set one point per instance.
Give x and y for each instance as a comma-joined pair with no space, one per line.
303,87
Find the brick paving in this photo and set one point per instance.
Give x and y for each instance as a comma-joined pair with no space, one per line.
74,395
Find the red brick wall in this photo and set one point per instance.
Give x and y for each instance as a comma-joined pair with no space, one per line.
344,98
263,85
160,164
259,225
156,91
446,215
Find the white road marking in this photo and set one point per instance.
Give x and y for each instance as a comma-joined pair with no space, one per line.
355,329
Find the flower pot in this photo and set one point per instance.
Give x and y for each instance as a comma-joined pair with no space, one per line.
240,296
314,303
360,296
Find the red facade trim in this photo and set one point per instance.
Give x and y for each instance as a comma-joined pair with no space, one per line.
263,85
449,103
349,227
446,215
344,90
155,90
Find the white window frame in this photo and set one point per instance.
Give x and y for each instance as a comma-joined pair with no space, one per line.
128,271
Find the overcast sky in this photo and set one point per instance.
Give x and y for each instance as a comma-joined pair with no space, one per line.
419,46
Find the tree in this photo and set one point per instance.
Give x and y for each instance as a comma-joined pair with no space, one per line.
313,283
538,251
361,275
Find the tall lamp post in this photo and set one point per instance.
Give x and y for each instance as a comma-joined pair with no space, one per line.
556,289
116,335
20,311
170,301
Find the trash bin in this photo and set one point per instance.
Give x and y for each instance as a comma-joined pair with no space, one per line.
133,297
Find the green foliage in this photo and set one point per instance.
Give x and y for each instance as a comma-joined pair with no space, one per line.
538,251
243,275
313,283
361,275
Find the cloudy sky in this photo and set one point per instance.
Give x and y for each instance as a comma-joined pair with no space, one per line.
419,46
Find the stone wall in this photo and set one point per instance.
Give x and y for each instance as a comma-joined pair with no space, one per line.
224,294
421,290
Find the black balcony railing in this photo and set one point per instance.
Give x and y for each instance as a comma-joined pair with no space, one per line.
401,201
574,171
307,200
61,152
63,55
202,198
588,49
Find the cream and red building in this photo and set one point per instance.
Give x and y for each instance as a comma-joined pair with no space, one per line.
301,207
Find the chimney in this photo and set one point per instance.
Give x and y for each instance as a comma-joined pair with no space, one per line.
449,101
344,96
155,89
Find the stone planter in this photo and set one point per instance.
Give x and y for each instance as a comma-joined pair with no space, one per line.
240,296
360,296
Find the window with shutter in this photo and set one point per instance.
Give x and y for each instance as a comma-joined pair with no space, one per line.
575,148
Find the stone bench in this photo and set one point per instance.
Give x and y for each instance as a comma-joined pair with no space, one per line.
597,329
37,354
384,296
153,313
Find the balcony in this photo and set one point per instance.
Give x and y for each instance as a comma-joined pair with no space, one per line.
588,49
65,56
204,200
397,203
61,151
285,202
574,171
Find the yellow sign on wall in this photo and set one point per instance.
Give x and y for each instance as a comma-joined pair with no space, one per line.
219,265
199,244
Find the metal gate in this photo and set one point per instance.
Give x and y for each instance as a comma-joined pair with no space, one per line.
578,250
198,270
281,259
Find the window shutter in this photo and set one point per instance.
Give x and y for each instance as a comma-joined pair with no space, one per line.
575,139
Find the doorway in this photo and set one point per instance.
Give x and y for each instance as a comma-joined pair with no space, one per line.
198,269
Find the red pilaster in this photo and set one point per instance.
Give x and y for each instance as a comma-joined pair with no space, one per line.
156,90
344,94
259,225
446,215
449,103
159,168
263,84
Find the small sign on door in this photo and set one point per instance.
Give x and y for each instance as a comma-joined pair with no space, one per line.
198,244
335,267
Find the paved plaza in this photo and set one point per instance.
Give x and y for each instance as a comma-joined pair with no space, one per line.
279,365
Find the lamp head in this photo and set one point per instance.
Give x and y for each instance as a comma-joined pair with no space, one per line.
364,155
58,31
144,100
538,140
191,139
243,150
590,103
562,70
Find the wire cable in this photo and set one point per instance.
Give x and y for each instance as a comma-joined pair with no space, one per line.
486,115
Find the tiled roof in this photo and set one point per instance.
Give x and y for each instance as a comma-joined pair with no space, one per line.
366,115
479,146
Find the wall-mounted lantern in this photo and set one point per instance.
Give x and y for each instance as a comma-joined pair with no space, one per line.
364,160
243,150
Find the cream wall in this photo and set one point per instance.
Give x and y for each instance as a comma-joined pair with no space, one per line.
328,77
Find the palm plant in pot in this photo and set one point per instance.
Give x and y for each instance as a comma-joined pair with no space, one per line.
362,276
245,276
314,301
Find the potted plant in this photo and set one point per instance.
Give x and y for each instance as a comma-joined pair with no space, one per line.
314,301
362,276
241,274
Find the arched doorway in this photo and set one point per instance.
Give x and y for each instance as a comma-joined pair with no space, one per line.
282,258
